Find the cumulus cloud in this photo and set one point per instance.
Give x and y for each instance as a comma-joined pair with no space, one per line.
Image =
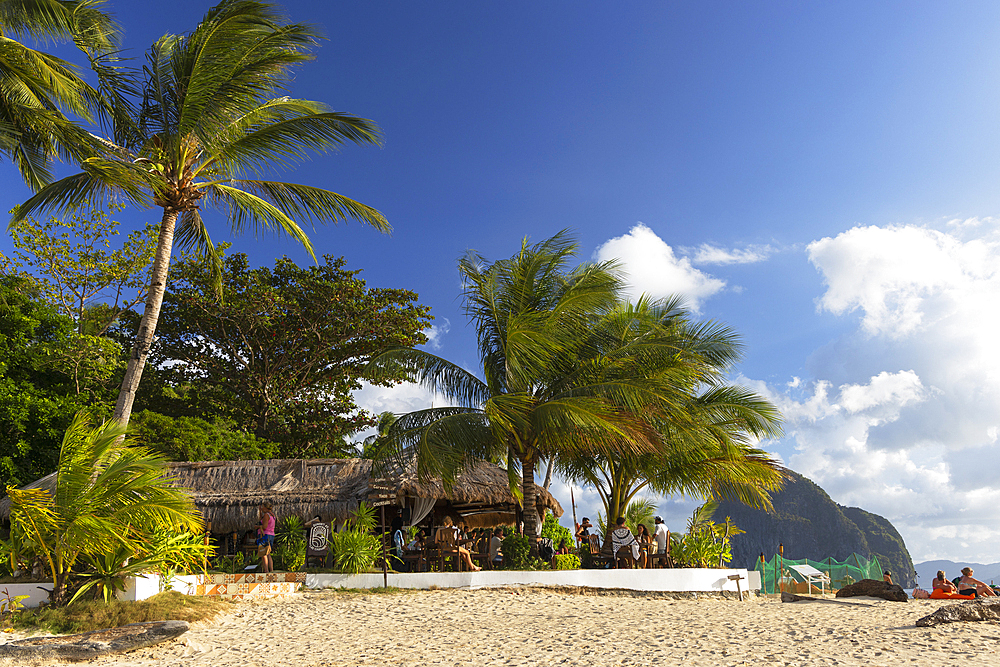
901,416
652,268
436,332
709,254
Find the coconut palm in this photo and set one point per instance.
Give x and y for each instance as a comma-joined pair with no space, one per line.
37,88
706,435
107,494
208,122
554,383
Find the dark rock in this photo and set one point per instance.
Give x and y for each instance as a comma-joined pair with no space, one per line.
980,609
811,525
875,589
89,645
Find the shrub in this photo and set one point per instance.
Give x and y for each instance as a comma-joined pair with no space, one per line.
515,550
565,562
552,529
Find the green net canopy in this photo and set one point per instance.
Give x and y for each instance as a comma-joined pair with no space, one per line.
777,575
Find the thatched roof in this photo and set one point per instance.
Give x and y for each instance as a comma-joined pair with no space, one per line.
229,493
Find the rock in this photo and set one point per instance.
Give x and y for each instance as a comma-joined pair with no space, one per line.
876,589
980,609
89,645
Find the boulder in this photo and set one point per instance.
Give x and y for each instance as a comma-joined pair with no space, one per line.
980,609
89,645
875,589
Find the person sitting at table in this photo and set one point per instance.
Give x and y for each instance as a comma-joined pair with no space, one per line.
446,534
563,548
417,543
969,585
583,530
644,539
496,543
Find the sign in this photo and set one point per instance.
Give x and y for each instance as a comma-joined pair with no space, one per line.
380,503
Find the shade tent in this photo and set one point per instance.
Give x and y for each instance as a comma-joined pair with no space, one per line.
229,493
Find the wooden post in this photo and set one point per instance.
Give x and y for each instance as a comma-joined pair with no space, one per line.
763,568
781,566
208,533
385,557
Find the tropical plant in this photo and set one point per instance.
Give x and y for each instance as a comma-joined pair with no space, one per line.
639,511
516,551
355,548
290,543
706,544
205,116
39,87
106,493
565,562
10,607
706,431
553,530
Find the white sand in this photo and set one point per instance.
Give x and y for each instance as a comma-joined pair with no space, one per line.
540,627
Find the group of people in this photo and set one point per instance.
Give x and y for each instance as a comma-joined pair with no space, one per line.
964,587
641,544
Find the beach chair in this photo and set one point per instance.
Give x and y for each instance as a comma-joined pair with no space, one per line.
318,544
812,576
596,556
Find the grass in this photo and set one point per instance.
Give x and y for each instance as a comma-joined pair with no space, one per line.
87,616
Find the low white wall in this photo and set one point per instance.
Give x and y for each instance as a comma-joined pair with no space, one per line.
36,595
682,579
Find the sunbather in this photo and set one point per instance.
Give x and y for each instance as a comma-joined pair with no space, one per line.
969,585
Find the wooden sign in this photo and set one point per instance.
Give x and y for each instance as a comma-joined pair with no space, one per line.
380,503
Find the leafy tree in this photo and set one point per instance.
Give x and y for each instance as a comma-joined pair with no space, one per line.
106,493
194,439
75,269
206,113
552,529
39,87
638,511
281,351
36,401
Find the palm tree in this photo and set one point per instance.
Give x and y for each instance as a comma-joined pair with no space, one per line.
37,88
549,390
209,121
107,493
706,434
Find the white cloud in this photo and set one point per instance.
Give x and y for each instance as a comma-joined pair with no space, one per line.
436,332
901,417
709,254
652,268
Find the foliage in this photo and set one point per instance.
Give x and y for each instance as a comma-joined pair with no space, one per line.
355,548
193,129
516,551
195,439
290,543
76,270
39,87
706,544
10,607
566,562
84,616
266,353
552,529
106,493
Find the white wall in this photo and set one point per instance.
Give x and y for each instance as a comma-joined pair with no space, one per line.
683,579
37,595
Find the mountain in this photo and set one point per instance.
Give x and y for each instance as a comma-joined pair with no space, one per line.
810,525
927,570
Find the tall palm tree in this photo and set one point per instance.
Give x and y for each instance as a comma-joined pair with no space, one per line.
107,494
548,390
208,122
707,433
37,89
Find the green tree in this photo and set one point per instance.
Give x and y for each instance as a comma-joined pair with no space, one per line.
106,493
39,88
194,439
206,114
280,351
707,433
76,269
547,391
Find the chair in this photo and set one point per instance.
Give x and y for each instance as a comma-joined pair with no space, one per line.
622,538
417,559
481,551
446,547
812,575
594,543
318,544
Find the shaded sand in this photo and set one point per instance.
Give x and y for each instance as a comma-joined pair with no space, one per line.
544,627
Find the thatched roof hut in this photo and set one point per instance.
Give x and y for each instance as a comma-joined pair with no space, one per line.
229,493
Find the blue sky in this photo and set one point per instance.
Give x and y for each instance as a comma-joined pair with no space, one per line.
821,177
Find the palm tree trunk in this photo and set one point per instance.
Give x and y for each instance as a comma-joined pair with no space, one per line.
150,316
530,512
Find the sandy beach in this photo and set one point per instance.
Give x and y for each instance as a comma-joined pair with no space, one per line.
545,627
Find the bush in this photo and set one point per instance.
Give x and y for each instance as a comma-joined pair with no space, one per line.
515,550
565,562
552,529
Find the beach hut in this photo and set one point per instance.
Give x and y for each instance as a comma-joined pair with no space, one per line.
230,493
